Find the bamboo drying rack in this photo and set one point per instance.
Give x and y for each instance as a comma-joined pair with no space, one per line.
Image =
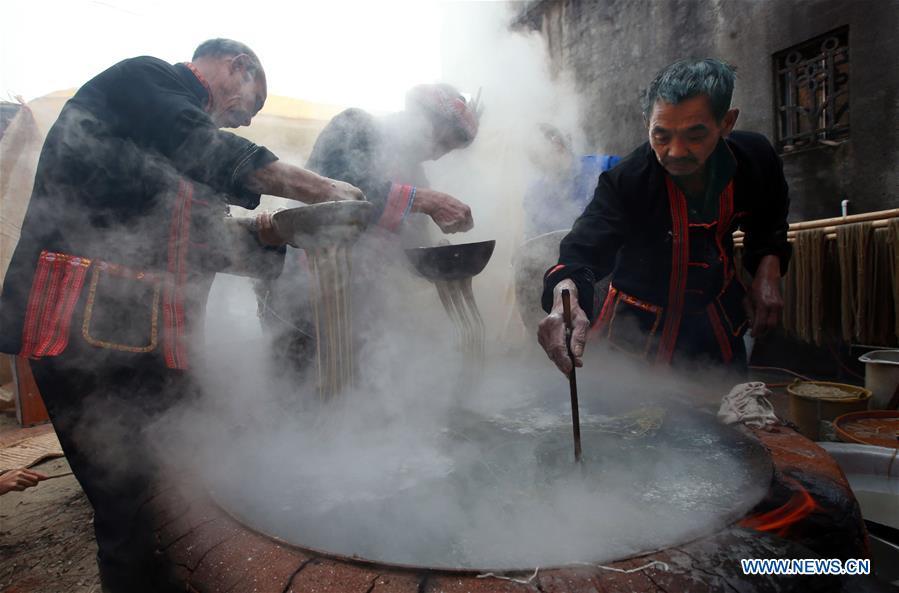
878,220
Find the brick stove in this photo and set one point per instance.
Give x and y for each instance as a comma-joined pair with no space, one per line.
809,511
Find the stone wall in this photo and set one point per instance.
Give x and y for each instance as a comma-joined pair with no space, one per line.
613,48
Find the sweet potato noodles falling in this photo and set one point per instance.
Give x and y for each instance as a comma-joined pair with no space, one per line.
458,301
451,268
327,231
331,268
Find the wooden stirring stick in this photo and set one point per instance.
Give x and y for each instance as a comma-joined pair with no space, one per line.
53,476
572,379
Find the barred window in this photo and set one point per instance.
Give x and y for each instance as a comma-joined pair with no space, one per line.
811,82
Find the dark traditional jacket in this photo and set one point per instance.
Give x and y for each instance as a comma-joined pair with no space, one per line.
128,206
354,148
665,260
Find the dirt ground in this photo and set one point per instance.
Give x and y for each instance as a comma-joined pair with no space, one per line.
47,534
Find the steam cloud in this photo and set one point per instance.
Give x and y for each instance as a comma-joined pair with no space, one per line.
410,468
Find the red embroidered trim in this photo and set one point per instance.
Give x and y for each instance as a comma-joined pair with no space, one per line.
727,353
35,302
608,305
635,302
72,284
79,274
397,200
680,253
50,335
57,284
553,270
728,322
51,297
173,339
75,283
725,217
619,297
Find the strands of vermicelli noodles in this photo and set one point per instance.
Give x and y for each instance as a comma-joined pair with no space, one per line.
458,301
331,269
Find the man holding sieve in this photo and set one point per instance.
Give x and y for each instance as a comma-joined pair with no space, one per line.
123,235
383,156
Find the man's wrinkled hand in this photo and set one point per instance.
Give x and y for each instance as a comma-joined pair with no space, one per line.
551,332
450,214
266,231
765,299
341,191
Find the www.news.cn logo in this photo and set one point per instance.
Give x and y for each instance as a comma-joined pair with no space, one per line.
803,566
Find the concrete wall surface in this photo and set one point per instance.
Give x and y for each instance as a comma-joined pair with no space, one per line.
614,47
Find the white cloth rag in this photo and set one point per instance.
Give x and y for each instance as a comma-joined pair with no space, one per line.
748,403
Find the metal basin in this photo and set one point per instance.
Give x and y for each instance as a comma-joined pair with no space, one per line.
327,223
873,473
451,262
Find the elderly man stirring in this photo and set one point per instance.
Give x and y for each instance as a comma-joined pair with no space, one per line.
118,249
661,223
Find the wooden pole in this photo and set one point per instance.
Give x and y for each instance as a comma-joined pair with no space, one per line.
572,378
829,230
880,215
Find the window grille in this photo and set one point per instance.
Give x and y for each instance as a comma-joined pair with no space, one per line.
811,82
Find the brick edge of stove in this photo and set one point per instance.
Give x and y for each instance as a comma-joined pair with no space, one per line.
207,551
835,528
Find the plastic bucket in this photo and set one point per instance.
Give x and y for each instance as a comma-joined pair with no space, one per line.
881,376
809,410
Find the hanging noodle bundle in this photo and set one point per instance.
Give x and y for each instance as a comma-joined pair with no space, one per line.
326,232
331,308
835,288
458,300
852,243
893,238
879,321
789,296
808,285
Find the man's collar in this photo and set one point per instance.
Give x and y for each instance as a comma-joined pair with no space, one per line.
722,167
725,162
198,84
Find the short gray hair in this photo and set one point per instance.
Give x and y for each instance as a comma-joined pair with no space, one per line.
219,48
691,77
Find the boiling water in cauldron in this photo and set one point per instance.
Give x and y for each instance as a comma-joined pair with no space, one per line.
494,485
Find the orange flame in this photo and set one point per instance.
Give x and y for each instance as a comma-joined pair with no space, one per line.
779,520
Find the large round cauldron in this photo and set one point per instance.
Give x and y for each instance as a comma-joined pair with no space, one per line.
206,550
498,488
